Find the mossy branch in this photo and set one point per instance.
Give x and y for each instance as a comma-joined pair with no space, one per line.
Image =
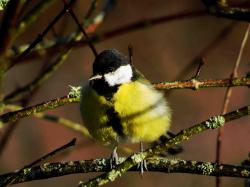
52,104
156,164
224,10
198,84
75,97
77,127
212,123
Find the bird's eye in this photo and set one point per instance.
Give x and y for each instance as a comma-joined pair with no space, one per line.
111,69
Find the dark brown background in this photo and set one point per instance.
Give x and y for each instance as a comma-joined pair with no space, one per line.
160,52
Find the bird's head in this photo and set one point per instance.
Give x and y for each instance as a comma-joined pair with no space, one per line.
113,67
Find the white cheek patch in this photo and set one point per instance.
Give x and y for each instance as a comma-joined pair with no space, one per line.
122,75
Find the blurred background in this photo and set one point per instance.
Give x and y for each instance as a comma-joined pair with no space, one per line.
162,52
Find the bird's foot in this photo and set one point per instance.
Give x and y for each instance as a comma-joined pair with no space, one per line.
114,158
143,164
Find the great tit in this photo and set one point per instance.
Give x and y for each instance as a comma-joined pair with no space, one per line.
119,105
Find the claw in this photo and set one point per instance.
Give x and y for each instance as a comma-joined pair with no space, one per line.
114,158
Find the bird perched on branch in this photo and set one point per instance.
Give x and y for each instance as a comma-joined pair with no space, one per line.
118,105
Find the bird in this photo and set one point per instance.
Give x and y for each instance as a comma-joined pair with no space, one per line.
119,105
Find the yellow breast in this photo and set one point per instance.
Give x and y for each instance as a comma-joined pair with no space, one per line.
144,113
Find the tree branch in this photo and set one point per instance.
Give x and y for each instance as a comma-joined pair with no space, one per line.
212,123
225,11
156,164
190,84
77,127
196,84
13,176
80,27
52,104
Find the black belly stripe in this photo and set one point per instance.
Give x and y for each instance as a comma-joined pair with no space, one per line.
103,88
115,121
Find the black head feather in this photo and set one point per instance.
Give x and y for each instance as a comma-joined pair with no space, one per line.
109,60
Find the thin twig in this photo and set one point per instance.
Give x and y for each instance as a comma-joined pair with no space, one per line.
207,49
91,9
242,47
226,102
77,127
198,71
204,52
92,47
52,153
130,52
